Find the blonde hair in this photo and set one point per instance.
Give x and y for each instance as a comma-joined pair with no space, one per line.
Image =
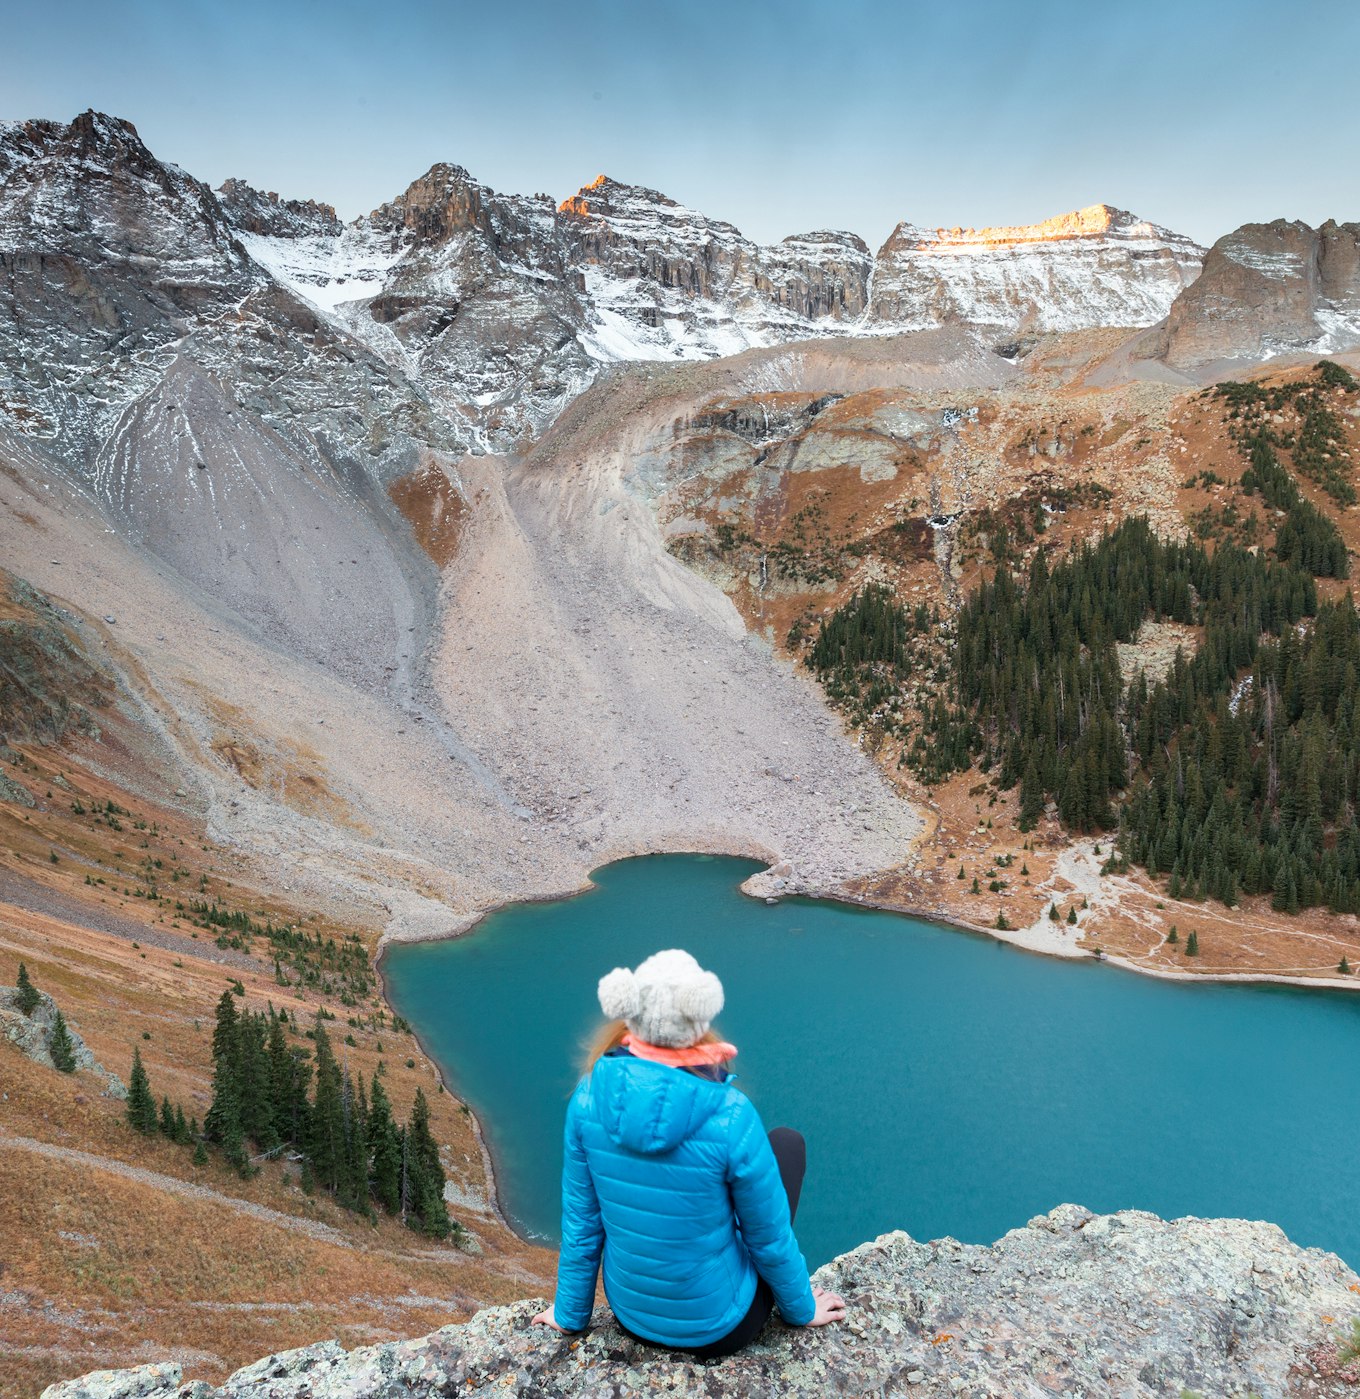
610,1036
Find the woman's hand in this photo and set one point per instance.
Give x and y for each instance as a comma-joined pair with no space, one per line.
548,1319
830,1307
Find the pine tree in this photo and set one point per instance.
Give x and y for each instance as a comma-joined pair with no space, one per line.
424,1175
223,1121
1053,913
1031,797
62,1050
141,1106
167,1123
326,1134
384,1145
1173,936
288,1079
28,993
1344,967
356,1147
226,1077
1072,913
1192,944
200,1153
234,1143
257,1108
181,1133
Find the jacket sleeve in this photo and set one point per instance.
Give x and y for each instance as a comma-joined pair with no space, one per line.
578,1263
763,1213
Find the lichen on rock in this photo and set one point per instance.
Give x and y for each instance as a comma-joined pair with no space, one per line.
1073,1304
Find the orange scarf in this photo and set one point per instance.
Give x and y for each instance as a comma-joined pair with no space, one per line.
718,1053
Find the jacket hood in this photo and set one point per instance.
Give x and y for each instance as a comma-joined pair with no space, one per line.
648,1107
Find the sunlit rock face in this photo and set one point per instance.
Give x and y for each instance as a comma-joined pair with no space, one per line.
1269,289
666,282
1096,266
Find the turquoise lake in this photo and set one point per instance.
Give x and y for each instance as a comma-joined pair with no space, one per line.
946,1083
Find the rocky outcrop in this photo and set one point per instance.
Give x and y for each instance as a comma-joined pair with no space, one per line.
480,300
267,215
31,1035
1096,266
1267,289
49,681
682,285
1073,1304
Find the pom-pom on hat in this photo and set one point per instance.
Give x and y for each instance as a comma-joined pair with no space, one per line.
670,1000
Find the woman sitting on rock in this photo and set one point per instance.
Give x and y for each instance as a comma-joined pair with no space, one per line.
670,1178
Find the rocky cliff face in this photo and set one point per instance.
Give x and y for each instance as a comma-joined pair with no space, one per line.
1073,1304
462,288
1096,266
1268,289
219,419
266,215
666,282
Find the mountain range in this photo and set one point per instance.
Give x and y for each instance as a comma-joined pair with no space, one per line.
470,317
361,576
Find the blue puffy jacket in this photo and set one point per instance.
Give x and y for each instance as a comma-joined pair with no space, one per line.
669,1178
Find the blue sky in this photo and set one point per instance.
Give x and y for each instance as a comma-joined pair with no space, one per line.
779,115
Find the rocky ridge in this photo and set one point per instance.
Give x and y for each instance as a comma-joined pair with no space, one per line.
1267,289
505,307
1095,266
1075,1303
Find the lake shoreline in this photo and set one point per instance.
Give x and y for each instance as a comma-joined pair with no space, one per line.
493,1199
1024,939
1017,938
453,998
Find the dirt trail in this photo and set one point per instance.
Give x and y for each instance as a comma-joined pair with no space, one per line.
186,1189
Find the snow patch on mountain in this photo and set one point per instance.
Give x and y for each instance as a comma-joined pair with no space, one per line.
328,270
1278,265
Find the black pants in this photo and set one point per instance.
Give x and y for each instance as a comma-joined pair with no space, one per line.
790,1154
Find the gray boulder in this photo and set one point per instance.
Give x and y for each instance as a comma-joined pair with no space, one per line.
1074,1304
32,1036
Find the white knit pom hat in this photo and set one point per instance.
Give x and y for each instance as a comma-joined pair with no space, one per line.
670,1000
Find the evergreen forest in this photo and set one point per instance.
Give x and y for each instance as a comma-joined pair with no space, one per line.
1238,771
279,1098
